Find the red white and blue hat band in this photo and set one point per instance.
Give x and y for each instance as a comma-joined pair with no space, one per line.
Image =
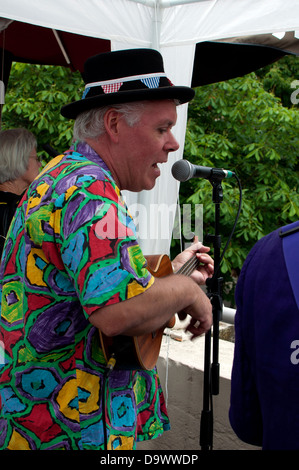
151,81
125,76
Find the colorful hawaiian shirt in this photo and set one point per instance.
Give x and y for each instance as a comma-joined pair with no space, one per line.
71,249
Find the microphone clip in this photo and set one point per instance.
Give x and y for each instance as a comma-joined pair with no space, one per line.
217,194
217,175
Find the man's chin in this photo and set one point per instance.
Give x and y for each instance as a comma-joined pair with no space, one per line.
144,186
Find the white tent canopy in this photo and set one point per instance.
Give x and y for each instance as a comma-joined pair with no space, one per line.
174,27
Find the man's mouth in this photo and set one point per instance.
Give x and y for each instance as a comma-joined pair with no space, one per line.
156,168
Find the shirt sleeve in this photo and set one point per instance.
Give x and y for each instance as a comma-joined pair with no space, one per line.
100,249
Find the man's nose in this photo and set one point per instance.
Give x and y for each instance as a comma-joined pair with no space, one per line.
173,144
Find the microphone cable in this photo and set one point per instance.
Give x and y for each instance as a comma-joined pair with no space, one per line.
234,226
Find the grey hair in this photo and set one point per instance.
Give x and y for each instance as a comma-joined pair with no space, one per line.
90,124
15,148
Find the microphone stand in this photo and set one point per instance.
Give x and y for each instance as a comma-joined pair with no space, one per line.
214,288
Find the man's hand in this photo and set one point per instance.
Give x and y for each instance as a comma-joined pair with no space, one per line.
206,268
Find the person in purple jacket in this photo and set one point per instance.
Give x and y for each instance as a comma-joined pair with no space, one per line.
264,408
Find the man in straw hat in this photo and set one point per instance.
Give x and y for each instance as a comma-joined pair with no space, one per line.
72,267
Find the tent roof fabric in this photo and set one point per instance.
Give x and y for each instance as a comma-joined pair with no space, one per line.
139,22
38,45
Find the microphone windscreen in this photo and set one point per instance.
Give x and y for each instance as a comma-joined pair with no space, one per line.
181,170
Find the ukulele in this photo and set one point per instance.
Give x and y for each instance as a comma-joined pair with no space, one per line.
142,352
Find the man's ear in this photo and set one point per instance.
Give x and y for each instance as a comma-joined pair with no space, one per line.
111,123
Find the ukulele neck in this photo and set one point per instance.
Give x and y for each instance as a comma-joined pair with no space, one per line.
188,268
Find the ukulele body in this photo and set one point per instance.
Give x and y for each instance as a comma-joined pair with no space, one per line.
139,352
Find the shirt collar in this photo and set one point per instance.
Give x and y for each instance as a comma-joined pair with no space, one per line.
91,154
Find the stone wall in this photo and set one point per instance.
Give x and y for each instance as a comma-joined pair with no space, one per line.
180,368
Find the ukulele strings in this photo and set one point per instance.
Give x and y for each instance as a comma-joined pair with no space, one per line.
189,266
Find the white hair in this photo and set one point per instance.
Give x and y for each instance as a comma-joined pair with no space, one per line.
16,146
90,124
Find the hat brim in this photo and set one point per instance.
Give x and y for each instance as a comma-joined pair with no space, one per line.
181,93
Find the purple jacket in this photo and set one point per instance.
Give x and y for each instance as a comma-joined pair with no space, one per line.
264,407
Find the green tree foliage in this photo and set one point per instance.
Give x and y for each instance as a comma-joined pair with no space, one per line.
241,125
279,78
34,97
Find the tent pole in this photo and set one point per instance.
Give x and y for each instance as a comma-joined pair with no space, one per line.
67,59
173,3
148,3
157,22
165,3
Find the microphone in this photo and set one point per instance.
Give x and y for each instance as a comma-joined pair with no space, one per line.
183,170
